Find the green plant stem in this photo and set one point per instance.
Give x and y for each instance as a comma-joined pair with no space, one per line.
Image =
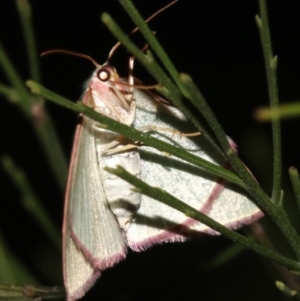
136,135
271,72
30,201
279,215
25,15
153,42
169,200
16,82
30,292
275,211
287,110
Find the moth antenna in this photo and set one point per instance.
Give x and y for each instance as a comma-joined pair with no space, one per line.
85,56
112,51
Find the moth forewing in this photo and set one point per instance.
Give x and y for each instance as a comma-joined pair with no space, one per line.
89,224
156,222
92,235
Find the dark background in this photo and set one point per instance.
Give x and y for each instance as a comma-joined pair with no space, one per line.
218,44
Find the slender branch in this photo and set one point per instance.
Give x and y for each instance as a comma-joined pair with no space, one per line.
24,10
16,82
153,42
31,292
287,110
271,72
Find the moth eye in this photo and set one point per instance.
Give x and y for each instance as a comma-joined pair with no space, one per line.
104,75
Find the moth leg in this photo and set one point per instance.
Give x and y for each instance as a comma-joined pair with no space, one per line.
165,129
120,144
120,149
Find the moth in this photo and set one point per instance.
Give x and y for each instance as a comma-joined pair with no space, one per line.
104,215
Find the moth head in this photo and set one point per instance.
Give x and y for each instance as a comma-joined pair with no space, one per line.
106,94
107,73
